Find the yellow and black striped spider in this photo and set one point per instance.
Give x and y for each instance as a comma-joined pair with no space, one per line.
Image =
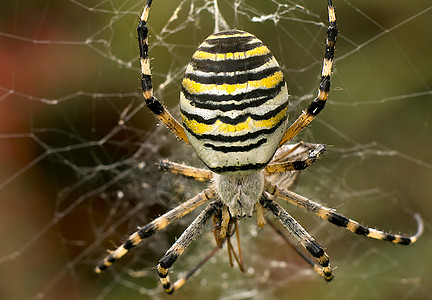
234,108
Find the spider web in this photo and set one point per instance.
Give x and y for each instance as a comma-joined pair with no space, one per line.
78,147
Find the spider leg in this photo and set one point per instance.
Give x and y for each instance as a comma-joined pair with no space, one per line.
154,226
316,267
181,245
301,235
187,171
146,83
342,221
212,253
285,151
318,103
297,165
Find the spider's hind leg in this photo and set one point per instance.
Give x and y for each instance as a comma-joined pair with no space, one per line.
152,102
317,105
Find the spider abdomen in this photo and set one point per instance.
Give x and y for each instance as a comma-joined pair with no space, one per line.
234,102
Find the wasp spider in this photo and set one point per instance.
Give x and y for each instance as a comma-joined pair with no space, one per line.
234,108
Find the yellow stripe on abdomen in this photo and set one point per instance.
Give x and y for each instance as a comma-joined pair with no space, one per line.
240,128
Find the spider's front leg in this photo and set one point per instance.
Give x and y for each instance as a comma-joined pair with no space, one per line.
301,235
152,102
181,245
296,248
153,227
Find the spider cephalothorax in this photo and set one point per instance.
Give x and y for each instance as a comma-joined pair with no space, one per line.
240,193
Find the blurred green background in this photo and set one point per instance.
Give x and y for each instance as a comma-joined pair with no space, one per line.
77,148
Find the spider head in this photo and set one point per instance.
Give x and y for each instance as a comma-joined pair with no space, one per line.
240,192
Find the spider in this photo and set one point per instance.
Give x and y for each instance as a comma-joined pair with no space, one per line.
234,106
